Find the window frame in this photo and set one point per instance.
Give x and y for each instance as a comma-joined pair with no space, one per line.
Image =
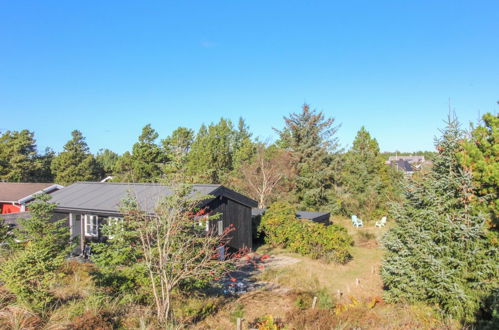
91,227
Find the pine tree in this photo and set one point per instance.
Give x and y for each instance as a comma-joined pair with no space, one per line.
43,245
146,162
480,155
311,139
18,157
367,182
75,163
177,147
211,156
439,252
107,160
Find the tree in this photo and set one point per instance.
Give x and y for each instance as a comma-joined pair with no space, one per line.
438,252
146,162
480,155
177,147
244,148
367,181
174,248
43,244
210,159
106,159
267,176
75,163
311,139
18,156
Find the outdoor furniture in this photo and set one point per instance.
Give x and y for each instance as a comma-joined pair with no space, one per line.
356,221
381,223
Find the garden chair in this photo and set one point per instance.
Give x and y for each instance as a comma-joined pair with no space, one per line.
381,223
356,221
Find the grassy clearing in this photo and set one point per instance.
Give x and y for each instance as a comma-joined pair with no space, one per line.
359,304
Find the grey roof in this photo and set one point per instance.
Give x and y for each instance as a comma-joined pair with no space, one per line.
106,197
313,216
23,192
403,165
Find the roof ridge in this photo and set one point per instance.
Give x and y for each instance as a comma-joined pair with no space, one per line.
146,183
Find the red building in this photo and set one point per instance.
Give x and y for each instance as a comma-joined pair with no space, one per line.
14,196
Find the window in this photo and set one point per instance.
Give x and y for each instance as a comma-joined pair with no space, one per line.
91,225
220,227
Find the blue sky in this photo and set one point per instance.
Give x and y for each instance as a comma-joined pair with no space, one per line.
108,68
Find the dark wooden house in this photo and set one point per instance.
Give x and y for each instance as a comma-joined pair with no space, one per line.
88,205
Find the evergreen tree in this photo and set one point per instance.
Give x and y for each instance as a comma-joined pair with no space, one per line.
311,138
244,148
366,179
177,147
481,156
106,159
18,156
211,155
75,163
146,162
43,244
439,252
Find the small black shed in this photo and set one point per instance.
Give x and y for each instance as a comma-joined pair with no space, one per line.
88,205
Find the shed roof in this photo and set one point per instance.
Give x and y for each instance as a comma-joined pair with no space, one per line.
106,197
313,216
15,191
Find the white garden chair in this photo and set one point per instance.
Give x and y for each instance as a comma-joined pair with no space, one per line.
381,223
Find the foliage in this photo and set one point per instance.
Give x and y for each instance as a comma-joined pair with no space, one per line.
480,155
119,262
175,250
30,272
146,161
75,163
281,228
106,159
369,184
311,139
438,251
19,161
211,156
177,147
267,176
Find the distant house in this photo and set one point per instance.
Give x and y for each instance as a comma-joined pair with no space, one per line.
15,196
89,205
408,164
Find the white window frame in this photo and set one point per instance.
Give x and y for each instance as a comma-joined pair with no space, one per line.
91,225
220,227
203,221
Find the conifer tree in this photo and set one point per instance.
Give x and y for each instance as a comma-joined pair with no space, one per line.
19,161
75,163
439,252
310,136
211,157
367,181
146,162
480,155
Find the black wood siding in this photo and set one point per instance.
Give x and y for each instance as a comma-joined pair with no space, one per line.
238,215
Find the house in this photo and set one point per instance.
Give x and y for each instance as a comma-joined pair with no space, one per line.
318,217
88,205
15,196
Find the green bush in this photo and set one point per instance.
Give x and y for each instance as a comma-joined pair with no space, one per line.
29,275
281,228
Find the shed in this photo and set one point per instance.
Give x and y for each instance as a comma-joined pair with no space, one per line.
14,196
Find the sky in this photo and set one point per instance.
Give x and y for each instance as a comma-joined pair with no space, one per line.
107,68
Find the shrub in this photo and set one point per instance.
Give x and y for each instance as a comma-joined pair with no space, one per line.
29,275
282,228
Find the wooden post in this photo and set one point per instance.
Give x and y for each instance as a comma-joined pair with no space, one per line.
357,281
339,294
314,302
239,324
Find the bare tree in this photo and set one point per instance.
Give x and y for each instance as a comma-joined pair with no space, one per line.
269,174
176,247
